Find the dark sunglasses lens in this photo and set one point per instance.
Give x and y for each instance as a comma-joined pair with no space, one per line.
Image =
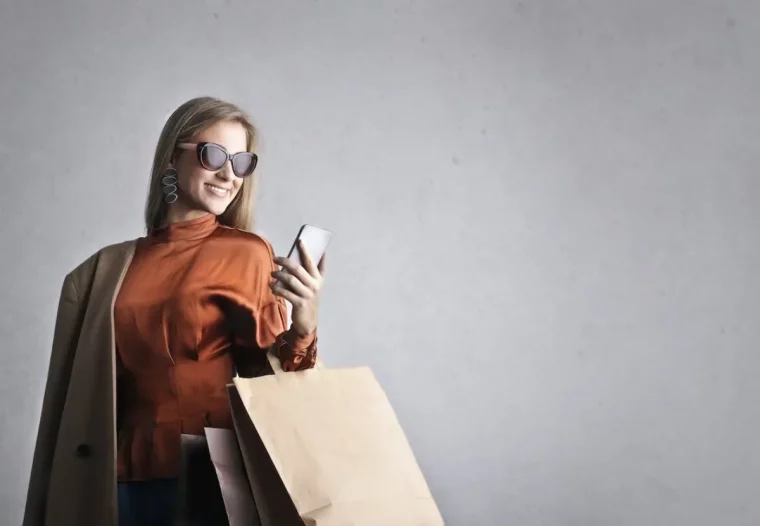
213,157
243,164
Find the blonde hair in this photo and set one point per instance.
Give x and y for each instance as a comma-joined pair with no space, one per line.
189,119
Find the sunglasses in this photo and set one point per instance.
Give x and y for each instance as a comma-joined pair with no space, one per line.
213,157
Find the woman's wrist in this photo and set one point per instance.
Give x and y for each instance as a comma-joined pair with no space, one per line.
301,332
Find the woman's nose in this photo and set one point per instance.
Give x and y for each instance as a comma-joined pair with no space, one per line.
226,172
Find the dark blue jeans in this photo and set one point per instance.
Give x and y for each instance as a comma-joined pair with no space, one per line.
149,503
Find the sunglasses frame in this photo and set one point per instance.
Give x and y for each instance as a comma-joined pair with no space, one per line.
200,146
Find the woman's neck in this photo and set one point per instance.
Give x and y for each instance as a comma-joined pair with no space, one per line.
179,212
185,228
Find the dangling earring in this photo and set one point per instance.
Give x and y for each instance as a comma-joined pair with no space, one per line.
169,180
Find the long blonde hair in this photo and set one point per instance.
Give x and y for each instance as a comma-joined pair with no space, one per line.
192,117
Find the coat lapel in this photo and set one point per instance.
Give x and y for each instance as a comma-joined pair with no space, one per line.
82,486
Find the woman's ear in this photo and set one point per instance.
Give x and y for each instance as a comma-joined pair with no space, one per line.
173,157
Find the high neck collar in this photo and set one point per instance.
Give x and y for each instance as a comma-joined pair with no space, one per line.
186,230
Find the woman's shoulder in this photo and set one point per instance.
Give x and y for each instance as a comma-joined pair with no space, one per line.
245,242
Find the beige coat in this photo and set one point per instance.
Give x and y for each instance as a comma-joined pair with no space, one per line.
73,478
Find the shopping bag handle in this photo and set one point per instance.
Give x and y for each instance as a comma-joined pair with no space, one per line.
274,363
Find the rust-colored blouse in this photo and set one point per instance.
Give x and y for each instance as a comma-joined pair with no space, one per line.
195,295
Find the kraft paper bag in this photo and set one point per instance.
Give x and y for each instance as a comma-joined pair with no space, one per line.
233,480
323,447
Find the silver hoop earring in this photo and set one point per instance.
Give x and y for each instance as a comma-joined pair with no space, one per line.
169,181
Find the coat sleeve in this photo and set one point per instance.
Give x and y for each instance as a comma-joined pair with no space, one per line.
65,336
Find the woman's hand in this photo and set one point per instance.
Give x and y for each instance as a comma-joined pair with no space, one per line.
300,285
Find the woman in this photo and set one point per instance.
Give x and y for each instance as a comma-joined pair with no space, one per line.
194,299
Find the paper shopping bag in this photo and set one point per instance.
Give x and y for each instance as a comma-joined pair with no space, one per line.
273,504
233,480
323,447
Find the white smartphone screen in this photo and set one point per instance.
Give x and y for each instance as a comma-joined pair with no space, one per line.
315,241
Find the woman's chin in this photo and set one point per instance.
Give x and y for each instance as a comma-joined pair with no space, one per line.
210,204
216,208
213,205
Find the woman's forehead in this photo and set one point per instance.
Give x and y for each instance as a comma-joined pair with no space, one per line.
230,134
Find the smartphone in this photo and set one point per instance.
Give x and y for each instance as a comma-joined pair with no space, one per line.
315,241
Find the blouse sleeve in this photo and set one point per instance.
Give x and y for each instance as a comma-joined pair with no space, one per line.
295,352
270,331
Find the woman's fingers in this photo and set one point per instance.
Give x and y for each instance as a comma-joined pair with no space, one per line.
300,273
292,297
308,267
290,282
321,266
294,269
303,280
308,261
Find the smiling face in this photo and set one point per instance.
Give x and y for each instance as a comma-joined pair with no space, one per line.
201,191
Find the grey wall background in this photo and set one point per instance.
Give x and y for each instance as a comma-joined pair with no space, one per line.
545,213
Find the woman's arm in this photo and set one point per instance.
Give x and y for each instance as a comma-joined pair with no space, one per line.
262,292
301,286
